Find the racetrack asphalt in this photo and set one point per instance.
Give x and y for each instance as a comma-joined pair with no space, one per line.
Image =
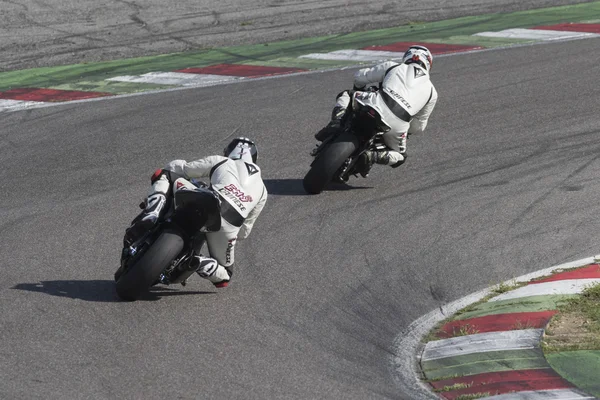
504,182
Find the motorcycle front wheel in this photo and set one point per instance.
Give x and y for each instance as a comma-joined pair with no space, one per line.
145,271
328,162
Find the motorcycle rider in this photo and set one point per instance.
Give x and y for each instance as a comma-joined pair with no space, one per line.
237,181
405,100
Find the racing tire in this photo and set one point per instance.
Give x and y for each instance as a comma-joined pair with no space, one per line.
328,162
139,277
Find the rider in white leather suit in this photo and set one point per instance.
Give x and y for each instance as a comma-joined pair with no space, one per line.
237,180
405,100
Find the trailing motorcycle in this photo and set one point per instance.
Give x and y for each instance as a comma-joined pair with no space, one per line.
335,159
162,255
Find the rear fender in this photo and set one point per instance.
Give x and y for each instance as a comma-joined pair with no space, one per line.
368,119
196,208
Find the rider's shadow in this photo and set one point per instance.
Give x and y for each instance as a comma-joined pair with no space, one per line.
293,187
96,290
285,187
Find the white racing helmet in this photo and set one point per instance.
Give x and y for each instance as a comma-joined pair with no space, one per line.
418,54
241,148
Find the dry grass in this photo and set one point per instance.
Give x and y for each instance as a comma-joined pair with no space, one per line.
577,325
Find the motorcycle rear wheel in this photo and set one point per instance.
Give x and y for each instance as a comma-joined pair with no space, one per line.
139,277
328,162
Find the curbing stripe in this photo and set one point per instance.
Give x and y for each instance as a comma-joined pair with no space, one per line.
498,388
113,87
494,377
407,345
242,70
560,394
479,363
389,51
356,55
569,286
498,322
175,78
482,41
593,271
525,304
580,367
435,48
464,355
536,34
15,105
305,63
49,95
482,343
591,28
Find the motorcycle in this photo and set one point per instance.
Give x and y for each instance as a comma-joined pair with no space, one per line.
335,159
163,254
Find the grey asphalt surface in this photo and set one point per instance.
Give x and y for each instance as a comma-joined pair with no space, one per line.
504,182
36,33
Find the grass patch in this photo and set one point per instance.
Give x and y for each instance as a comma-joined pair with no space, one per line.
437,334
473,396
519,325
441,378
433,334
456,386
472,307
507,287
464,330
577,325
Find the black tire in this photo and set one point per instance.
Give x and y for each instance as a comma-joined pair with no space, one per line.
139,277
328,162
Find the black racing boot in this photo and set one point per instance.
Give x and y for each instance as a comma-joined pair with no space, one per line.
368,158
333,126
146,220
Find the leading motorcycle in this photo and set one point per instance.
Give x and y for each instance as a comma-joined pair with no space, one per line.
336,158
163,254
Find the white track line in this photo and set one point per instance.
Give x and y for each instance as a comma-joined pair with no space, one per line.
536,34
356,55
482,343
558,394
569,286
16,105
176,78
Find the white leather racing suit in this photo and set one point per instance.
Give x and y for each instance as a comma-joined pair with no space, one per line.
405,100
242,192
